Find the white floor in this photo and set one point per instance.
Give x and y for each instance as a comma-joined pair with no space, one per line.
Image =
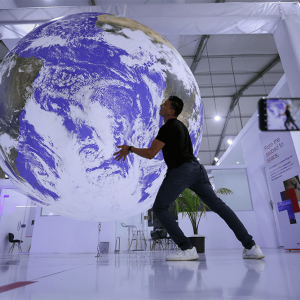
147,275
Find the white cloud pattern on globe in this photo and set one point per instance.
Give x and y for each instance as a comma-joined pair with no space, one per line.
70,92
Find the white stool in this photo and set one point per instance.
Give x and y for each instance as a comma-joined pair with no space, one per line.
139,236
130,228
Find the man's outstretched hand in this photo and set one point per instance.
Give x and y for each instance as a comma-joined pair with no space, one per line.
122,153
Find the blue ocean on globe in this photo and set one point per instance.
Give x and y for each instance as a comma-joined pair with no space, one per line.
71,91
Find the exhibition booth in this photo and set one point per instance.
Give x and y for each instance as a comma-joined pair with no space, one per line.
243,168
257,181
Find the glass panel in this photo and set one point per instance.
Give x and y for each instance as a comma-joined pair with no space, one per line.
13,209
237,181
27,226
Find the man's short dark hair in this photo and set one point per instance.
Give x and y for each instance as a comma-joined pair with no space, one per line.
176,104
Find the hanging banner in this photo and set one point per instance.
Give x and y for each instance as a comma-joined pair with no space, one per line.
283,172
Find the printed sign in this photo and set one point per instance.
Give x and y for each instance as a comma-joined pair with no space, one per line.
283,171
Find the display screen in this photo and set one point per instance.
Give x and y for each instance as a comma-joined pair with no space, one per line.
283,114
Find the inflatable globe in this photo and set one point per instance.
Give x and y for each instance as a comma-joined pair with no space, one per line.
74,89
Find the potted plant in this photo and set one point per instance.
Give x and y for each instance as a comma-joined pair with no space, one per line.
190,205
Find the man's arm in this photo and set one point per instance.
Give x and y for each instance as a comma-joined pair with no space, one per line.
149,153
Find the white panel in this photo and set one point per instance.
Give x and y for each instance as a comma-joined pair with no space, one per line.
296,141
235,155
234,126
217,91
216,64
239,44
56,234
235,123
245,121
204,128
206,158
10,43
188,61
205,91
248,105
188,44
215,127
213,142
220,64
203,64
255,90
278,67
3,51
4,4
204,144
223,105
174,40
209,107
222,79
271,77
203,79
251,63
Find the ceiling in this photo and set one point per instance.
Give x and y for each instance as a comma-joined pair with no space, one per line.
231,70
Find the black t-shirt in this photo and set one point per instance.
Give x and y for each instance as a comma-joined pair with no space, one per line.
178,147
287,113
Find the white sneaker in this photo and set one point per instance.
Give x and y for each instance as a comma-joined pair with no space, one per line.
189,254
254,253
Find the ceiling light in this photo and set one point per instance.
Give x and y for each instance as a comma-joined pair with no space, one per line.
217,118
229,142
216,159
237,162
6,177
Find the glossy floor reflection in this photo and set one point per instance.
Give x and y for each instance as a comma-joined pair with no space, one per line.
147,275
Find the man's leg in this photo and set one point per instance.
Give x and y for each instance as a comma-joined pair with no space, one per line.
286,124
173,184
204,190
293,122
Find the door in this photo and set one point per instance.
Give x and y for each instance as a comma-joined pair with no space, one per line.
16,215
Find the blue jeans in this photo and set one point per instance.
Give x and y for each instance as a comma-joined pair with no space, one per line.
192,175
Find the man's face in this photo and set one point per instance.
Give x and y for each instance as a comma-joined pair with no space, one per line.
166,109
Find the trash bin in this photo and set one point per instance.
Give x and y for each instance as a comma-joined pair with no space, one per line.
104,246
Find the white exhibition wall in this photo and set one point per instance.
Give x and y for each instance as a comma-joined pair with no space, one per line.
56,234
13,213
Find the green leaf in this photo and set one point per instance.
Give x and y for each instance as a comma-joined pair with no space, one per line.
191,206
223,191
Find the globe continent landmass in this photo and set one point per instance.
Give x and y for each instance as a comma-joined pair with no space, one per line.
70,92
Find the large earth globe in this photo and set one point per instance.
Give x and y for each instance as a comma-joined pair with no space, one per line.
71,91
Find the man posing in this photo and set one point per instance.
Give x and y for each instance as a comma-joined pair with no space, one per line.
184,171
